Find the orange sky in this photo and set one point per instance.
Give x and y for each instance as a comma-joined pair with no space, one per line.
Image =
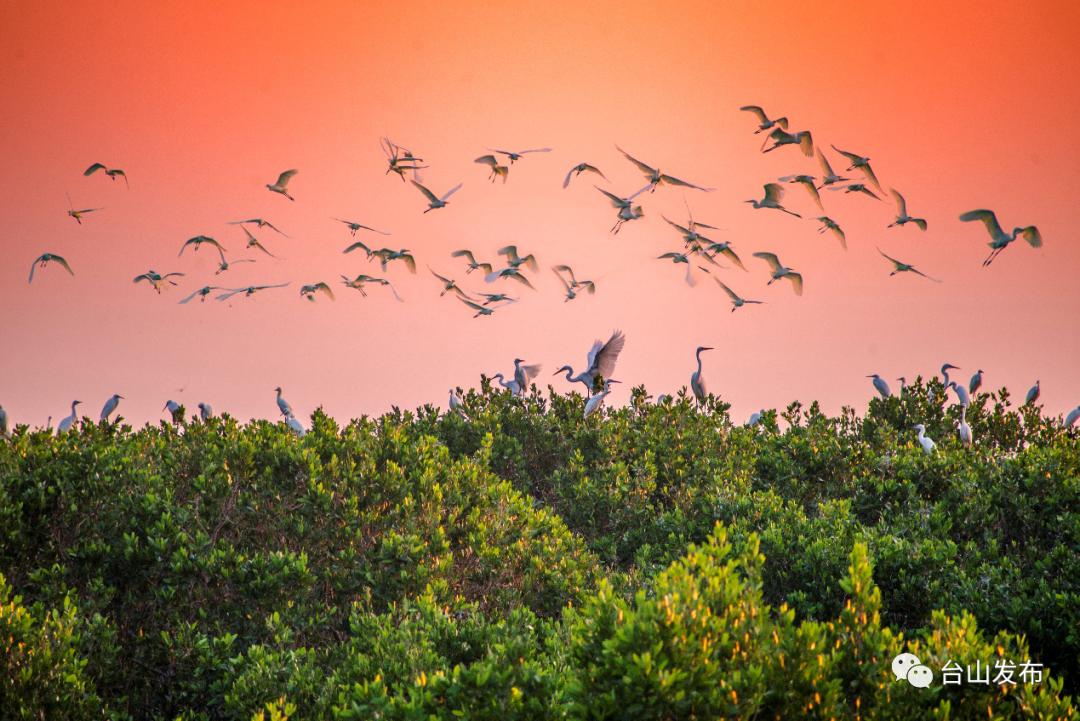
959,107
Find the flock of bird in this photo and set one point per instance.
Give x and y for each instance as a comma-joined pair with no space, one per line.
699,252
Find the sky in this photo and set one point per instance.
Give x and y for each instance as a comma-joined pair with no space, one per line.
959,106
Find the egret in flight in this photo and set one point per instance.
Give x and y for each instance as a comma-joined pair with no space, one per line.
779,271
976,382
1033,394
157,280
386,256
764,123
627,210
516,156
78,214
249,291
806,181
253,242
597,400
435,202
736,301
781,137
175,411
354,227
224,265
899,267
65,425
197,241
697,382
927,444
360,245
202,293
856,188
449,286
828,224
880,385
280,186
681,258
309,291
258,223
113,173
110,406
512,273
480,309
490,298
360,281
400,160
861,163
44,259
514,260
473,264
774,193
999,239
571,286
205,412
496,170
578,170
713,249
599,364
902,217
828,177
655,177
523,374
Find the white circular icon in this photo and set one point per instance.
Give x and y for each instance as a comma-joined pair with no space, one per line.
903,663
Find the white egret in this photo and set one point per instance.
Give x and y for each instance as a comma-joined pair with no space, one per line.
1033,394
510,385
359,281
512,273
945,368
976,382
360,245
689,232
902,217
157,280
197,241
774,193
435,202
627,211
175,411
880,385
736,300
110,406
999,239
44,259
964,431
697,382
779,271
258,223
490,298
496,170
400,159
961,394
480,309
202,293
855,188
456,402
295,426
927,444
828,177
205,412
781,137
755,419
355,227
513,259
597,400
860,163
3,423
309,291
578,170
523,374
386,256
1074,414
473,264
806,181
573,284
828,224
764,123
113,173
713,249
224,265
655,177
899,267
249,291
677,258
280,185
253,242
65,425
282,404
516,156
449,286
600,363
77,215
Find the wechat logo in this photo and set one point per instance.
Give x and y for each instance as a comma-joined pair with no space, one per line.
908,666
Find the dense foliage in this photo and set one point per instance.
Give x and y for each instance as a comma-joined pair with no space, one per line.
522,562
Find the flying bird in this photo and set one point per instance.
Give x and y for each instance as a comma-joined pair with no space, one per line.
449,286
828,177
578,170
779,271
681,258
473,264
713,249
110,406
197,241
282,183
258,223
400,160
497,171
224,265
249,291
309,291
78,214
861,163
253,242
781,137
202,293
490,298
774,193
655,177
435,202
113,173
856,188
44,259
828,224
899,267
512,273
627,210
157,280
599,364
386,256
571,286
517,156
764,123
514,260
902,217
480,309
736,301
360,281
807,181
999,239
354,227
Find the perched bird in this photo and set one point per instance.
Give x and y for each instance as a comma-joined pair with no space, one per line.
828,177
964,431
806,181
571,286
113,173
282,183
697,382
627,210
597,400
976,382
927,444
523,374
202,293
881,386
282,404
309,291
480,309
510,385
599,364
360,281
295,426
677,258
258,223
205,412
515,156
774,193
473,264
855,188
224,264
176,412
497,171
1033,394
578,170
449,286
961,394
999,239
253,242
861,163
736,301
110,406
435,202
355,227
157,280
1070,420
655,177
387,256
755,419
3,423
781,137
65,425
456,404
764,123
828,224
197,241
902,217
899,267
903,384
249,291
945,368
44,259
779,271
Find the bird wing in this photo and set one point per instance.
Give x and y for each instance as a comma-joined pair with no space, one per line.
987,218
682,229
447,281
639,192
321,285
901,204
730,293
756,110
200,290
590,287
94,168
769,258
615,200
596,170
840,234
850,156
179,275
566,285
641,166
357,244
510,251
536,150
427,193
569,174
671,180
531,372
602,357
472,305
521,279
486,267
230,293
672,255
812,189
488,160
463,253
285,177
869,173
796,282
410,262
1031,234
916,271
892,260
774,192
530,262
453,190
733,257
826,169
869,192
33,266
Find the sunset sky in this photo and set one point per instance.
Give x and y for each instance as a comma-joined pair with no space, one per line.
958,105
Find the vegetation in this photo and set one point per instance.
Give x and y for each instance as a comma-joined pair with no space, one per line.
521,562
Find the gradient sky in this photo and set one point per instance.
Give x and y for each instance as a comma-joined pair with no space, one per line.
959,105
